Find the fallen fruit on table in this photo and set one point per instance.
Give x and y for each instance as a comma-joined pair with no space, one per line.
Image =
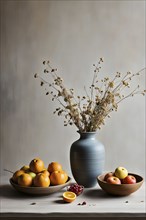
37,175
77,189
69,196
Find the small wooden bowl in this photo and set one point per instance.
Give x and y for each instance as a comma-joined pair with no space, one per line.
39,190
122,189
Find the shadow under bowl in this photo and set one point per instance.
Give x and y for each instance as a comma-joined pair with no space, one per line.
40,190
121,189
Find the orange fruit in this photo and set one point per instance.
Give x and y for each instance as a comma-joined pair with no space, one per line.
36,165
16,175
65,175
25,180
54,166
58,178
41,180
46,172
69,196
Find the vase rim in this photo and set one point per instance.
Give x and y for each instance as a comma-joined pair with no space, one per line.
87,132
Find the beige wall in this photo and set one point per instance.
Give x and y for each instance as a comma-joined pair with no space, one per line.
73,35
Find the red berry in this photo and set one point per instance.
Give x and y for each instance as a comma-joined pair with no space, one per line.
77,189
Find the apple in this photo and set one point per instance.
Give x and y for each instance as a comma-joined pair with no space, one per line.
129,180
121,172
32,174
108,175
113,180
25,168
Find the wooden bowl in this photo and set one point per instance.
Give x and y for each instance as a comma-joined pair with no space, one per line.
39,190
122,189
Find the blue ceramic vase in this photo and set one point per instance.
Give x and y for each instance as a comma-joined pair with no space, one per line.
87,157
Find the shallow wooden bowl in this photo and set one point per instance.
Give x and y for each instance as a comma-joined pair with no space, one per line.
122,189
39,190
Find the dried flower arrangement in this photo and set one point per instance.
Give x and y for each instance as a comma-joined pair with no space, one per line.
88,112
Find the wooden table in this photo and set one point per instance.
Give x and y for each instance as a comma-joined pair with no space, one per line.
99,205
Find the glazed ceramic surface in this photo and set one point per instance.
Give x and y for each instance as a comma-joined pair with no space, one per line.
87,157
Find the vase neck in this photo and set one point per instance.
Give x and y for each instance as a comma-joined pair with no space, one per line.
85,135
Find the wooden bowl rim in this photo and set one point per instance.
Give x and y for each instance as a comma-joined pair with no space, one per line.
118,185
41,188
34,190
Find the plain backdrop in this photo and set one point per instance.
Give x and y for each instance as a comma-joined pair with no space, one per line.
73,35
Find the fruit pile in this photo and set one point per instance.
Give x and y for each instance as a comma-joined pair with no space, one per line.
120,176
37,175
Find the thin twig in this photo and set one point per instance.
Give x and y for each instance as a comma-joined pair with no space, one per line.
8,171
